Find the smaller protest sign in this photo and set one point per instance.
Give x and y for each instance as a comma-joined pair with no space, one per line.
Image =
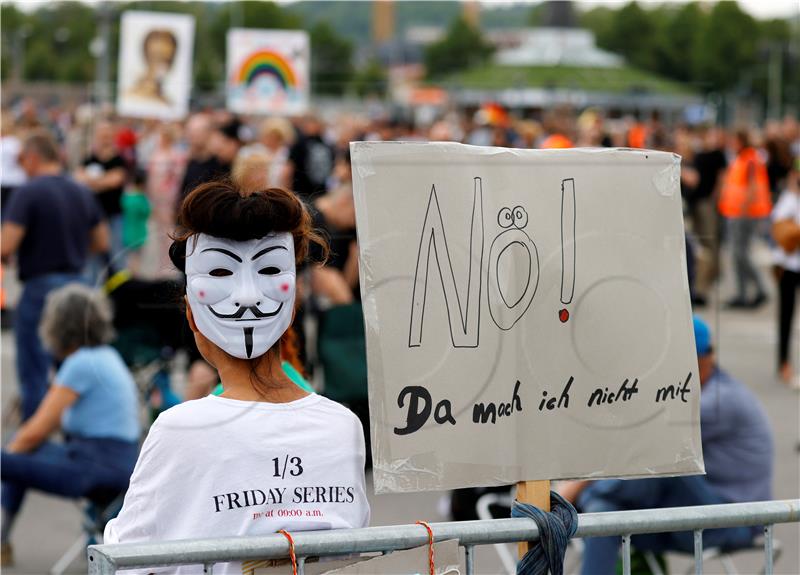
268,71
155,65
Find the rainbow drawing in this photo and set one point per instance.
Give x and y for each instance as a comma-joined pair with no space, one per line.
269,63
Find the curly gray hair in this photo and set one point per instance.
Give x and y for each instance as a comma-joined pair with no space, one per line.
75,316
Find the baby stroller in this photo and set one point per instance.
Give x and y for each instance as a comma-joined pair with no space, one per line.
151,328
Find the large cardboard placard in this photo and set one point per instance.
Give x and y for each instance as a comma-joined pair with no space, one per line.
268,71
527,315
154,78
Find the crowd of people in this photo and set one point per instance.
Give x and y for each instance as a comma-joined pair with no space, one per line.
92,199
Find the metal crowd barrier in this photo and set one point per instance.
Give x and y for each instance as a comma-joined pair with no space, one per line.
106,559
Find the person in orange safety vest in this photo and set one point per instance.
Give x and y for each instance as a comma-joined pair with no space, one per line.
744,201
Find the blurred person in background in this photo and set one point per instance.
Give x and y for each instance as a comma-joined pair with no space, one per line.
310,159
558,127
202,165
148,139
744,201
779,157
786,257
12,175
337,280
739,459
251,170
591,129
165,170
28,115
51,224
528,133
710,164
136,211
79,136
277,135
790,129
93,401
637,132
226,143
125,140
104,172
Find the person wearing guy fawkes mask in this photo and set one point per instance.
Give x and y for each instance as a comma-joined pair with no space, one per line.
258,457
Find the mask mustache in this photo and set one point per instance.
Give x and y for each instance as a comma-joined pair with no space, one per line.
239,313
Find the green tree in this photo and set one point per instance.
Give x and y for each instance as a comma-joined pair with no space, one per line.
631,34
12,25
728,50
535,15
679,41
331,60
462,47
371,80
600,21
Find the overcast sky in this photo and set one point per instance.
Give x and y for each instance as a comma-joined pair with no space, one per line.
758,8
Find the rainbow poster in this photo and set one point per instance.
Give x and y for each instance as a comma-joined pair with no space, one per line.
268,71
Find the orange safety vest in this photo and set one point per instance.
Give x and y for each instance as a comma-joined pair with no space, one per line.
557,141
733,201
637,136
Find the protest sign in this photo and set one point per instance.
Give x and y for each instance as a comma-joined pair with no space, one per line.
154,78
268,71
527,315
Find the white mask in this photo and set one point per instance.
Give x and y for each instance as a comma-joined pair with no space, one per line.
241,293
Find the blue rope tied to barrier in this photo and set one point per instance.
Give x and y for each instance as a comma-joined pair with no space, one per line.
555,530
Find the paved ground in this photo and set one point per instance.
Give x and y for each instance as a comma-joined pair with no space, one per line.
746,345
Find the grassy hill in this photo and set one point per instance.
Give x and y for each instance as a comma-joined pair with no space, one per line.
492,76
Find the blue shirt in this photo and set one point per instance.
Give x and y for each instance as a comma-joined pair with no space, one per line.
737,440
58,215
107,405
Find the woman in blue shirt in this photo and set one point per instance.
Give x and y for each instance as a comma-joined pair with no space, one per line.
94,402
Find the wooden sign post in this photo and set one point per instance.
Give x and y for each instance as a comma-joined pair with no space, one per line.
535,493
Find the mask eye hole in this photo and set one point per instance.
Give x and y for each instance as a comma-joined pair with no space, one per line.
269,271
220,272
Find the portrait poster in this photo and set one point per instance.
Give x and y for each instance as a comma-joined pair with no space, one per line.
268,71
527,315
154,76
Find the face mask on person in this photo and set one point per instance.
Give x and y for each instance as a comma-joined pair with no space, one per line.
241,293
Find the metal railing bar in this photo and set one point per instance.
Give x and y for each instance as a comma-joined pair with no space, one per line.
626,555
469,557
768,550
378,539
698,552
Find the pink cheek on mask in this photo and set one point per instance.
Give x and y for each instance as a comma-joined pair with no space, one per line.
201,294
284,288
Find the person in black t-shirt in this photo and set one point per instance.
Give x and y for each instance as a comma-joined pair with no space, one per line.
710,163
227,143
104,172
203,165
311,160
51,224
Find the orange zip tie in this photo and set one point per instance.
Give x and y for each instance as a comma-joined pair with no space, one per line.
291,550
431,562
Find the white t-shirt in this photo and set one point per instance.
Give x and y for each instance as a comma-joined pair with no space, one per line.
218,467
787,208
11,173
